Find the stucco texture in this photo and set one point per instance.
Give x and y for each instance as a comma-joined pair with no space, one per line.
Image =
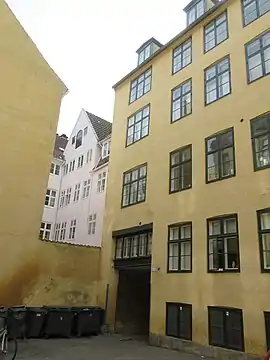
32,272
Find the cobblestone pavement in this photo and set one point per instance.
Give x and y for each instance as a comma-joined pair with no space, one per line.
96,348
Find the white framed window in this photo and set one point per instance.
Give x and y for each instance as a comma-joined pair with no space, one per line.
92,222
80,161
62,198
57,231
101,182
77,193
89,155
86,188
63,231
55,169
45,231
72,229
85,130
66,169
68,196
50,198
106,148
72,166
79,137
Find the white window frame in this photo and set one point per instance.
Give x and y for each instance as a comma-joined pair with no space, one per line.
45,230
76,196
68,196
62,198
72,229
89,156
86,188
101,183
85,131
63,230
55,169
106,149
92,223
50,198
80,162
57,231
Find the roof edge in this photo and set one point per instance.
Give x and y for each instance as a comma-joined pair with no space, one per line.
169,43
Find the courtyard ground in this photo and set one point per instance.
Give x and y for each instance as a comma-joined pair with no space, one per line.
96,348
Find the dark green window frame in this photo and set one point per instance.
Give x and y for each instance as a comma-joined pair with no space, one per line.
181,105
254,9
134,186
213,36
260,137
225,328
223,244
141,85
263,217
220,156
182,56
180,169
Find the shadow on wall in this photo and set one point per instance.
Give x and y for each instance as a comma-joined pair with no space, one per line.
50,274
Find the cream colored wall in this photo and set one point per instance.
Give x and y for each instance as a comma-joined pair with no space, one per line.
244,194
31,271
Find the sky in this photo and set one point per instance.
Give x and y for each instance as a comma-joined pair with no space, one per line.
91,44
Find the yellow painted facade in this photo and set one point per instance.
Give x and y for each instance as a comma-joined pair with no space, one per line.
31,271
243,194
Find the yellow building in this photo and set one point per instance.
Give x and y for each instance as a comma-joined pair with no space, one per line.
190,152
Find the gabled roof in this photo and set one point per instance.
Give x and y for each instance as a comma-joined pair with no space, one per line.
101,127
59,146
103,161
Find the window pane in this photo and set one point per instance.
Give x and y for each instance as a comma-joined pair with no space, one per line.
231,253
265,221
264,6
250,13
212,167
185,231
174,233
173,256
255,67
214,227
211,91
230,226
224,84
227,162
266,250
267,60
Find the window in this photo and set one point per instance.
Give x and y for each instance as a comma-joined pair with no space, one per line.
134,186
72,166
179,320
85,130
217,81
253,9
55,169
45,231
77,192
66,169
260,135
258,57
264,238
140,86
86,188
68,196
223,244
92,224
57,231
73,140
101,183
63,231
216,32
182,56
180,248
50,198
181,101
79,137
226,328
220,156
144,54
80,162
138,125
106,147
89,156
72,229
267,328
133,246
195,12
181,169
62,198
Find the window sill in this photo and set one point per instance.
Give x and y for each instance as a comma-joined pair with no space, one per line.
181,190
179,271
261,168
223,271
129,205
224,178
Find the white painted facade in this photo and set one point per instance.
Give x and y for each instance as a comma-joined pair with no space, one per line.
78,215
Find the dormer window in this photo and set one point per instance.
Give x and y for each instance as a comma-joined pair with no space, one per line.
106,147
147,49
196,8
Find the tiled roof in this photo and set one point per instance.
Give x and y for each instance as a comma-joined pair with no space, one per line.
59,146
103,161
102,127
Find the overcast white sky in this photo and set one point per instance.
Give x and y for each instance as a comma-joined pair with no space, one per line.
91,44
